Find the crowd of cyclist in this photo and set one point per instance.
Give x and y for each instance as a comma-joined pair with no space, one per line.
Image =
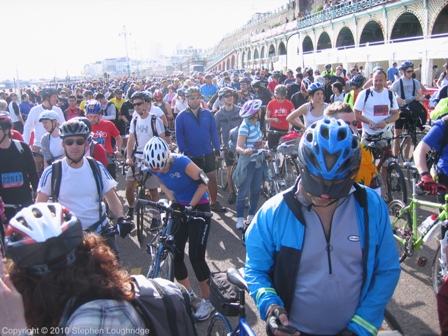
138,120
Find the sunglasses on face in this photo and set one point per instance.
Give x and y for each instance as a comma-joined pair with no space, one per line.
352,123
409,71
137,104
194,98
228,96
70,142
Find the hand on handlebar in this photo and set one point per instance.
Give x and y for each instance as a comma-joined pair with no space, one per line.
277,323
124,226
429,184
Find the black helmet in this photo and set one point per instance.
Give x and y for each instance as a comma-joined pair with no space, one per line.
256,83
406,64
74,127
5,121
85,121
225,90
46,93
358,80
141,95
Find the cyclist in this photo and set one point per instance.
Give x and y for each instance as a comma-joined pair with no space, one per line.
103,131
244,93
17,169
226,119
197,137
51,143
375,107
49,100
143,128
249,170
409,98
311,111
57,264
326,239
163,105
185,184
76,171
262,93
277,111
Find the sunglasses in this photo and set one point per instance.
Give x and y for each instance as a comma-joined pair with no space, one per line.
409,71
228,96
137,104
70,142
352,123
194,98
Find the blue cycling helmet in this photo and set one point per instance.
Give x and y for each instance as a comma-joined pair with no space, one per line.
329,158
358,80
314,87
406,64
93,107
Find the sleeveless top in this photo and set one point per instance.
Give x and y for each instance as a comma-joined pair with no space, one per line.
309,118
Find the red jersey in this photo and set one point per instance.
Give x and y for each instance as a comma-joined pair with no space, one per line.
280,111
72,113
272,84
103,133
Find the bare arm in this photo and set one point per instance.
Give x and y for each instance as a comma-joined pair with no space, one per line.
130,149
42,197
420,156
114,202
193,172
293,117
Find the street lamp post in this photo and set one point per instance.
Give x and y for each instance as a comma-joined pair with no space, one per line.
287,42
124,34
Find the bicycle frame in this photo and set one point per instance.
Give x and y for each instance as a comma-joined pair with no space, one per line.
166,241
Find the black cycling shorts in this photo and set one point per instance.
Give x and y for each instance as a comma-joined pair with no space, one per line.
206,162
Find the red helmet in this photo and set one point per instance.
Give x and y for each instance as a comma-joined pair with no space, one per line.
158,96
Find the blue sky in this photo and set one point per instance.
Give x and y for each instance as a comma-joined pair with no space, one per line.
49,38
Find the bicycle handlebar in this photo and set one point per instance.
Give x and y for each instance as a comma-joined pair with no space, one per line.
440,187
187,212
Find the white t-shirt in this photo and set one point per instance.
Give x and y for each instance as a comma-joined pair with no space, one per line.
376,109
32,124
56,148
143,132
14,117
78,190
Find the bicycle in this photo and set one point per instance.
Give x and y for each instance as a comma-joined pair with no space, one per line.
142,193
411,237
395,181
161,249
219,324
221,168
409,140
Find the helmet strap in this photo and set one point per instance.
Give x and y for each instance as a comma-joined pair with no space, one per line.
4,136
74,162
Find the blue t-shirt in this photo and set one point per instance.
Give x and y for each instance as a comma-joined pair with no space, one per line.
208,91
434,140
391,72
175,179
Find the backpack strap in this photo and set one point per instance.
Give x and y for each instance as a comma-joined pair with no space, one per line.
402,89
153,125
187,305
92,148
19,146
56,169
391,98
99,183
368,93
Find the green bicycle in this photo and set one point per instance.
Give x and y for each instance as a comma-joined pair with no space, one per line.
410,236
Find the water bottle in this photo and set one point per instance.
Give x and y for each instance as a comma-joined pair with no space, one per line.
427,223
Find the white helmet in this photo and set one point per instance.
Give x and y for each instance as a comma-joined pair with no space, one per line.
48,114
40,233
156,153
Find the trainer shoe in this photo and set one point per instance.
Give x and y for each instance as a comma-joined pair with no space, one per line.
249,218
130,213
217,207
232,198
192,295
240,223
204,311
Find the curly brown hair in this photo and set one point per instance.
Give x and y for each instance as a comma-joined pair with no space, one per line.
95,273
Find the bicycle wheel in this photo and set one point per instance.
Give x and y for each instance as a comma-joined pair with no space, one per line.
396,184
166,266
438,271
390,325
290,171
221,174
401,226
218,326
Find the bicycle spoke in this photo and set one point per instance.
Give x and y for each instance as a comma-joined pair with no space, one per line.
396,184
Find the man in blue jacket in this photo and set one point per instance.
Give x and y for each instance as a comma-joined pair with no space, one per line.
321,256
197,137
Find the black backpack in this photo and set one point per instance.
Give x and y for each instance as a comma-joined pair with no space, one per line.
164,306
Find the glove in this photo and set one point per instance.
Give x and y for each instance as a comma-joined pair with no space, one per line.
175,206
429,184
273,323
124,226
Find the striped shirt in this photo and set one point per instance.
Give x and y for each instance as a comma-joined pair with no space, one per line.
251,131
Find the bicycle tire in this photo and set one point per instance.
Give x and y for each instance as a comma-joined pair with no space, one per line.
222,175
166,265
290,171
218,326
399,225
396,184
390,323
139,214
438,275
